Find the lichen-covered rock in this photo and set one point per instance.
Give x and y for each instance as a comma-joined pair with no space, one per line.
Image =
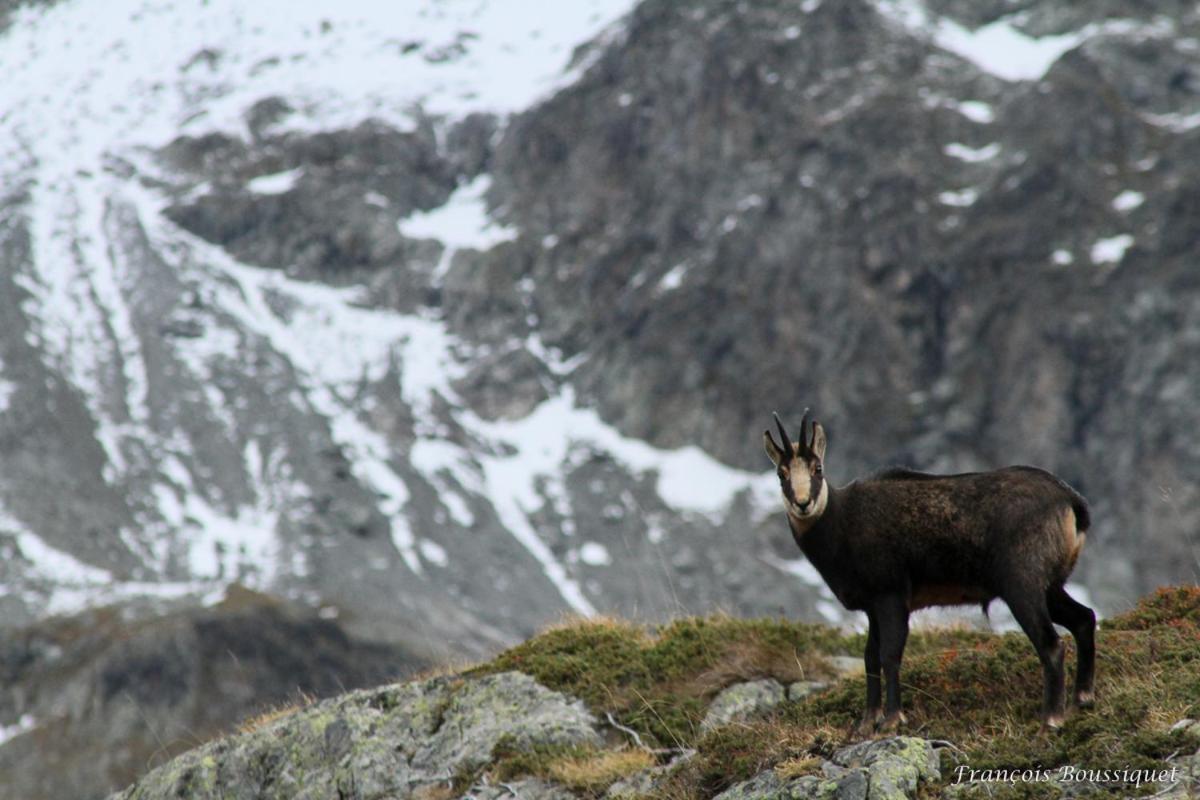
742,701
894,766
798,690
646,782
887,769
387,742
636,785
769,786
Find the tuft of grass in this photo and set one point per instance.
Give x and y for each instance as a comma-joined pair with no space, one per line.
275,713
588,771
798,767
594,772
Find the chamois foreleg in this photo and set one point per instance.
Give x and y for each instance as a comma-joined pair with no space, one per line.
874,684
1081,622
891,613
1031,612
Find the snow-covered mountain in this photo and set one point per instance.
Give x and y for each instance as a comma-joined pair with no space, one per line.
180,415
449,317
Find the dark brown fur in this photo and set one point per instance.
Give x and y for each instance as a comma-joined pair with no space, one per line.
902,540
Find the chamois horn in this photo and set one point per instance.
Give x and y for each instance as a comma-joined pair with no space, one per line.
788,450
806,439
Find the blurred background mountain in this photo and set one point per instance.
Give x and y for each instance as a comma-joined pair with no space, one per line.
421,324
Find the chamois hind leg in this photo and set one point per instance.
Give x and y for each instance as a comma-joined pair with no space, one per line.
1081,622
1029,608
891,612
871,661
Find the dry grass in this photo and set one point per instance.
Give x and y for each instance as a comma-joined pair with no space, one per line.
445,669
798,767
275,713
597,771
570,621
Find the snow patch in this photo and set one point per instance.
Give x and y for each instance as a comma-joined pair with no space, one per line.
1112,249
1174,122
22,726
594,554
54,564
278,183
1062,257
960,198
433,552
462,221
673,279
999,48
976,111
1128,200
688,478
830,612
802,568
972,154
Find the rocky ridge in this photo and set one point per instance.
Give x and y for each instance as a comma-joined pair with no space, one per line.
696,709
431,738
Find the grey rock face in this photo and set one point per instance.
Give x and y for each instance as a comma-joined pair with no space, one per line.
391,741
848,237
336,214
743,701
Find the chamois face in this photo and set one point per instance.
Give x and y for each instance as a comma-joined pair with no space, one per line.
800,467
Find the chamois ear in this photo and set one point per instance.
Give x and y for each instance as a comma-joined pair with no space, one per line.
818,441
774,452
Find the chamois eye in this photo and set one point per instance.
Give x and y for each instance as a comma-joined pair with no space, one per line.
820,470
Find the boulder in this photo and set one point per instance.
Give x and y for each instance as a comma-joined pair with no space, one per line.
394,741
742,701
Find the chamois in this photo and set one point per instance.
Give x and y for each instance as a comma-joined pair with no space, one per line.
901,540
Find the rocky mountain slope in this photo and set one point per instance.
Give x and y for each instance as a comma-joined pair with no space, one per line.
430,318
644,722
91,702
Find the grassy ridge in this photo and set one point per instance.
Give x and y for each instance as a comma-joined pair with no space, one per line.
980,691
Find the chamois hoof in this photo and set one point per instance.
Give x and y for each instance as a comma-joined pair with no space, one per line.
1052,722
892,722
1085,699
866,727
